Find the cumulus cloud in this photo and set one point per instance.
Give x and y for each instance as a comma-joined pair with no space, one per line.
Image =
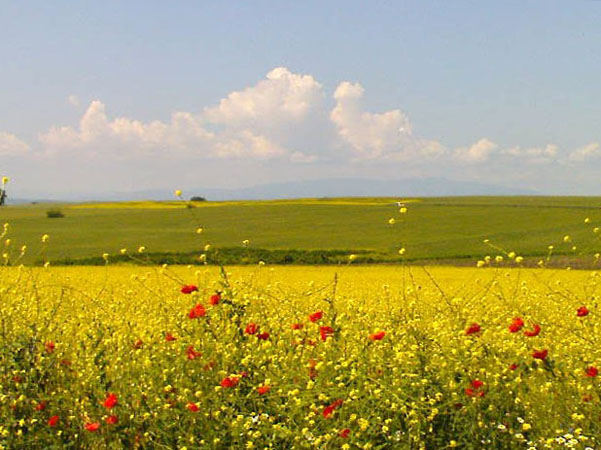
386,135
589,151
481,151
281,97
285,116
11,145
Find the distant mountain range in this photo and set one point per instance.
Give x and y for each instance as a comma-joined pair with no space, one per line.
339,187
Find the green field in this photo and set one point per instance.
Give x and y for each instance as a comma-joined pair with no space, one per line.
450,228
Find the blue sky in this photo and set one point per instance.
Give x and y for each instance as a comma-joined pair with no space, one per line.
503,92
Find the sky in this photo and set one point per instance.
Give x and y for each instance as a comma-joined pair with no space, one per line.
137,95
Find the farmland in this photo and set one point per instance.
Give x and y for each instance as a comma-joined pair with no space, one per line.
433,229
299,357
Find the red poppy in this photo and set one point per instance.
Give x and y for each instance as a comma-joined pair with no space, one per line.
516,325
229,382
41,406
92,426
49,347
475,389
473,329
169,337
192,354
53,421
582,311
534,332
193,407
197,311
344,433
377,336
470,392
111,420
317,315
215,299
477,384
188,289
263,389
329,410
297,326
251,328
591,372
326,332
138,344
513,366
111,401
540,354
263,336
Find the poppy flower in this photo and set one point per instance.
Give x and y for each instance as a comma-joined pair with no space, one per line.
92,426
263,389
540,354
377,336
251,328
229,382
192,354
475,389
513,366
326,332
263,336
297,326
197,311
473,329
41,406
329,410
138,344
582,311
516,325
169,337
477,384
215,299
111,401
53,421
49,347
188,289
111,420
534,332
591,372
344,433
317,315
193,407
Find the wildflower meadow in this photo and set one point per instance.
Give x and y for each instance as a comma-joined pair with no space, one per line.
260,356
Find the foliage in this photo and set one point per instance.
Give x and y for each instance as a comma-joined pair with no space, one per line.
55,213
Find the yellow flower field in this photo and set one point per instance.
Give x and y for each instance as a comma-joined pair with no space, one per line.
299,357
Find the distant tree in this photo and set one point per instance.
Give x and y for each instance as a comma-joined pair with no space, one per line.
198,199
54,214
3,196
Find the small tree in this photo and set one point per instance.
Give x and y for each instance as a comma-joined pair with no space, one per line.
198,199
3,196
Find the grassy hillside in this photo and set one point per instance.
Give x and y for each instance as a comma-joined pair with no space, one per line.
433,228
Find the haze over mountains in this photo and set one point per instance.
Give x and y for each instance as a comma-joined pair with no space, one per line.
342,187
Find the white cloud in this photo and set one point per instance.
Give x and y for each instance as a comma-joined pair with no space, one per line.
589,151
300,157
281,97
369,135
478,152
11,145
